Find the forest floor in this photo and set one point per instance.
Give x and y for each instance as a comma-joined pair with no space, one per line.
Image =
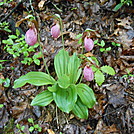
114,110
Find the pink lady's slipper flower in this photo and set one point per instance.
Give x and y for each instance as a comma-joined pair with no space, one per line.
88,43
31,36
55,30
88,73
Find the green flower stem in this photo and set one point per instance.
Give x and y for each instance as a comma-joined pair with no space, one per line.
61,24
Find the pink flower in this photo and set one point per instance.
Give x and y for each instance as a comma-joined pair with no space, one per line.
55,31
88,73
88,43
31,36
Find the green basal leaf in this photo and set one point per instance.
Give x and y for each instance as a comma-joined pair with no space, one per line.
61,63
64,81
34,78
117,7
86,95
80,109
43,99
53,88
108,70
99,77
65,99
73,68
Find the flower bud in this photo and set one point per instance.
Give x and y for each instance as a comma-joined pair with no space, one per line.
88,43
88,73
31,36
55,31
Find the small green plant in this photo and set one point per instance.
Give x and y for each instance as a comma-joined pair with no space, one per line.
116,44
122,2
128,76
68,94
102,44
99,71
34,126
20,128
4,26
5,81
5,1
17,46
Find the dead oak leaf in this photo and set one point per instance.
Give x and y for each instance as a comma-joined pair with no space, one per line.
126,22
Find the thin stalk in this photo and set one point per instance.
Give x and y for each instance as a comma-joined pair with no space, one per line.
61,24
43,55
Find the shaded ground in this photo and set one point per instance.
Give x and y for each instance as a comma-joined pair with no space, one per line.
113,112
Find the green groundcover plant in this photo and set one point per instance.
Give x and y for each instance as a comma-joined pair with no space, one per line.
17,46
66,92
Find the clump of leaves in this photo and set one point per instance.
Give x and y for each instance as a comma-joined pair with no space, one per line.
102,45
128,76
34,126
20,128
99,71
17,46
4,26
66,92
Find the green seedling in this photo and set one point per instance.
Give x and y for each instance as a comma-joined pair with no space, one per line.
16,46
99,71
128,76
4,26
34,126
116,44
102,45
20,128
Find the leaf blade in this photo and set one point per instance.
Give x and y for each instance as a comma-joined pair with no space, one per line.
99,77
34,78
65,99
108,70
42,99
86,95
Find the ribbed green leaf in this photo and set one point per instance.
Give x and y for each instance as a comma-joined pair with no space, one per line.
61,63
34,78
99,77
86,95
64,81
80,109
43,99
65,98
73,68
108,70
53,88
